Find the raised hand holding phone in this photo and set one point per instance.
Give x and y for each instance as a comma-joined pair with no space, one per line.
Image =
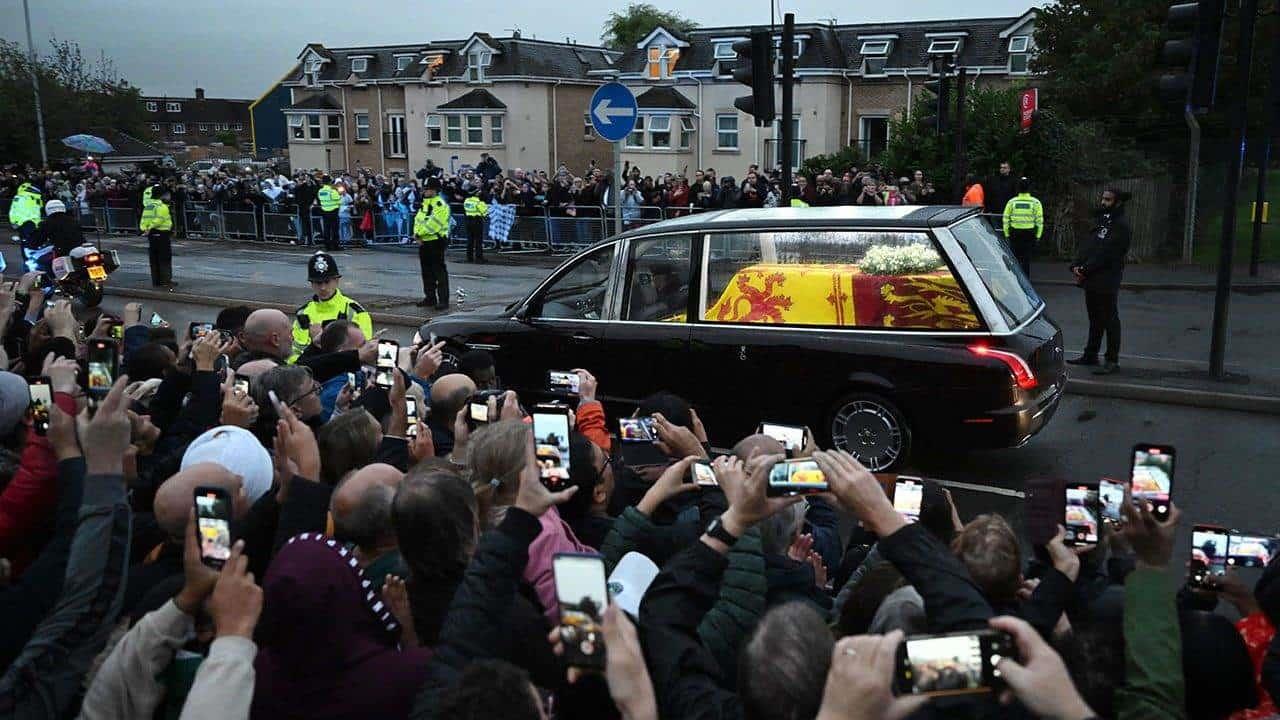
860,681
670,484
236,602
1151,539
1038,677
105,436
299,443
198,577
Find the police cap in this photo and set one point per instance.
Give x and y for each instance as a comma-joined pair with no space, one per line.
322,267
434,184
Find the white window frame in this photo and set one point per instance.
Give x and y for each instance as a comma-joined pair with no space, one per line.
403,62
1025,44
867,70
332,128
862,126
314,132
173,107
433,127
777,48
477,61
359,65
178,128
636,133
875,47
1020,47
659,125
475,124
497,130
297,127
663,61
944,46
588,130
238,127
452,125
204,127
155,127
727,47
687,132
361,122
721,131
153,106
313,67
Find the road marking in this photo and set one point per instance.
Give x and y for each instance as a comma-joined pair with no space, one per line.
993,490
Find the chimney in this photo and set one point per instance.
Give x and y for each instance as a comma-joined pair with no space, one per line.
515,34
199,93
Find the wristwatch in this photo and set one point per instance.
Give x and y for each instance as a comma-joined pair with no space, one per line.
718,531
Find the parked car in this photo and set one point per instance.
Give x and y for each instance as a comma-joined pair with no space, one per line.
879,328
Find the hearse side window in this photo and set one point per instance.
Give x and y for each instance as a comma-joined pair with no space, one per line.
658,279
579,293
999,269
864,279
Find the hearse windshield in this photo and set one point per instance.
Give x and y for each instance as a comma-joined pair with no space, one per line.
999,269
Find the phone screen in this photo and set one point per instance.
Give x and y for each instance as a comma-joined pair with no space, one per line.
906,498
1081,517
952,664
386,363
102,367
1152,476
241,384
1209,548
791,436
213,523
116,330
411,416
156,320
563,381
1111,501
583,596
636,429
551,444
795,477
479,412
1250,550
41,399
197,330
701,474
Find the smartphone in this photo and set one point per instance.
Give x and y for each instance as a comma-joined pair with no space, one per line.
701,474
796,477
636,429
479,413
195,330
115,329
388,353
103,363
953,664
1081,515
411,416
791,436
156,320
220,366
583,595
213,525
1151,476
241,384
551,445
1043,508
1111,501
1210,547
563,381
41,399
907,494
1250,550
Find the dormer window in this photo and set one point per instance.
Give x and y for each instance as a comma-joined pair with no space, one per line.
662,62
875,47
1019,54
153,106
477,61
313,67
724,50
359,65
875,55
403,62
173,107
944,46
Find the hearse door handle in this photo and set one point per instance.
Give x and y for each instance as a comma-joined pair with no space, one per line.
582,338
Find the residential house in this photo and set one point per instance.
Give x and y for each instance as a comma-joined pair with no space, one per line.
268,132
390,108
196,120
128,152
850,80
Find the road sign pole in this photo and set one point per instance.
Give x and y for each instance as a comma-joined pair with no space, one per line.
619,183
787,151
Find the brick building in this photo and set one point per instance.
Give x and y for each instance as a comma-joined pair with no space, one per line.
196,120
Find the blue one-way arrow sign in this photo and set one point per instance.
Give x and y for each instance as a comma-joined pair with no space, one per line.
613,111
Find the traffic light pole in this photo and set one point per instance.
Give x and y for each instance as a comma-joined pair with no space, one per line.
1264,159
1239,115
960,163
787,49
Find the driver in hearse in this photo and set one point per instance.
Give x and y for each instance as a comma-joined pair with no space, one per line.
659,292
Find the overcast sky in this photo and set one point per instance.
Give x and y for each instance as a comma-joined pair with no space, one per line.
238,48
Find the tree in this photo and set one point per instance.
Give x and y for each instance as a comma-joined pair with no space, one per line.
228,138
625,29
76,96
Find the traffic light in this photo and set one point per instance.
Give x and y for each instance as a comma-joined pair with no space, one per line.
936,117
755,68
1194,51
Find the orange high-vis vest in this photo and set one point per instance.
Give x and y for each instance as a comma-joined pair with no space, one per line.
974,195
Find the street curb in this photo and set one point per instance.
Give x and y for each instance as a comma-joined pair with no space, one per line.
1175,396
1261,286
385,318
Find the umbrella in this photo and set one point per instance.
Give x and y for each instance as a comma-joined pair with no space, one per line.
88,143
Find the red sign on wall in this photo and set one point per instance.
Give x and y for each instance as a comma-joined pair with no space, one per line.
1028,103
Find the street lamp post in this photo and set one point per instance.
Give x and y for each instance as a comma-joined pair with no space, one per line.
35,83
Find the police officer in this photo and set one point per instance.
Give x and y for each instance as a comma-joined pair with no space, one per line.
431,228
327,305
476,210
1099,269
1023,224
330,200
24,215
59,230
157,223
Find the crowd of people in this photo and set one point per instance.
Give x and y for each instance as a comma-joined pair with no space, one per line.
386,566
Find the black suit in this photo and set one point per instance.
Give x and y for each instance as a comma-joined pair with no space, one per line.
1100,261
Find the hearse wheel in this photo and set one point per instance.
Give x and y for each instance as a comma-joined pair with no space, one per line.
872,429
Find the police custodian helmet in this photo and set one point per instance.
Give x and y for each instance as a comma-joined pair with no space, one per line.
322,267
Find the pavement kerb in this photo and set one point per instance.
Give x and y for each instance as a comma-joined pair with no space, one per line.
1252,286
1076,386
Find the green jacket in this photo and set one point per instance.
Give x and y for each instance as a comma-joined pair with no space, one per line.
155,216
1024,212
741,604
1154,686
338,307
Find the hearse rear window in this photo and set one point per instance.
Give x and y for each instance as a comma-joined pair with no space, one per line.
865,279
999,269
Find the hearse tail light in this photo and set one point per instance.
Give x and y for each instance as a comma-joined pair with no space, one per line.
1022,373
